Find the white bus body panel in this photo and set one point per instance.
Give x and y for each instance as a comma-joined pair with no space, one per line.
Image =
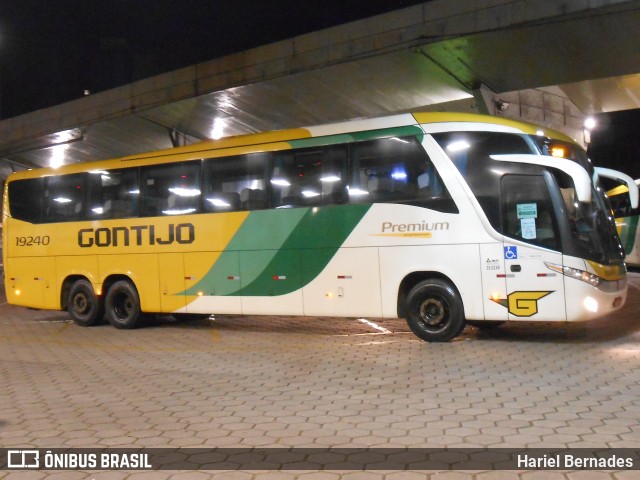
494,281
349,286
414,239
457,262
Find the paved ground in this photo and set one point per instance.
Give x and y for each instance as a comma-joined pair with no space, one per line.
312,382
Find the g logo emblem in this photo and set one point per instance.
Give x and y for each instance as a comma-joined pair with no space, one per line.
522,304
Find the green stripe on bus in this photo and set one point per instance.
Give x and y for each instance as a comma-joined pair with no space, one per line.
277,266
266,229
259,238
308,250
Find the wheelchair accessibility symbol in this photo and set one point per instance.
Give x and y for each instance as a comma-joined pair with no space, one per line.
510,253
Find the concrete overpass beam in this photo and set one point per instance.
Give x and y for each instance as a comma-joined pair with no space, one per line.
547,106
485,99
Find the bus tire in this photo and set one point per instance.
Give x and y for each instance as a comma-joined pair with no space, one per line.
84,306
434,311
122,305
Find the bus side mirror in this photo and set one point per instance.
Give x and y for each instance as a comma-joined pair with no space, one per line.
621,178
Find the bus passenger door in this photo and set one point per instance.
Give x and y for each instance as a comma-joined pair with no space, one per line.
172,281
534,292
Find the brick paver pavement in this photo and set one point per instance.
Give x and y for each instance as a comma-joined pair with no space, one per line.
317,383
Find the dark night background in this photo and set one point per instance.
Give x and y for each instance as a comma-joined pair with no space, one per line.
51,51
615,142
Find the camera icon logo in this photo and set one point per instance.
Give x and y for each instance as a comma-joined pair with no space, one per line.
23,459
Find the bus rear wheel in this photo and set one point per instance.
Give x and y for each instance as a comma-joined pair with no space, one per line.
83,304
434,311
122,305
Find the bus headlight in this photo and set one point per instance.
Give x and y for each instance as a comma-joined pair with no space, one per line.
591,304
590,278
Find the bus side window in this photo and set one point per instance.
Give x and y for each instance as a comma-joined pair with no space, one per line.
396,170
171,189
25,199
309,177
113,194
63,198
235,183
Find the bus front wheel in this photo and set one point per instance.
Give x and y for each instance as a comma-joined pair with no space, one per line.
434,311
122,305
83,304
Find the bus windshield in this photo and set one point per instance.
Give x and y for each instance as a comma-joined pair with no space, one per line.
586,229
592,230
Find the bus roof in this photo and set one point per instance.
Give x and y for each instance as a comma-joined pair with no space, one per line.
286,139
528,128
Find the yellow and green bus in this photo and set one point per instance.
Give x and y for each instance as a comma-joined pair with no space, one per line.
442,219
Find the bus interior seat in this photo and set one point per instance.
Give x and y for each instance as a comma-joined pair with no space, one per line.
290,196
116,209
172,202
337,197
233,199
150,207
107,210
292,201
62,212
253,199
224,202
179,203
383,189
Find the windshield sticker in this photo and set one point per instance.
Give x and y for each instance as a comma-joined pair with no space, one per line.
527,210
528,228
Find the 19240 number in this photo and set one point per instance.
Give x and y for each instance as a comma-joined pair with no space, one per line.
31,241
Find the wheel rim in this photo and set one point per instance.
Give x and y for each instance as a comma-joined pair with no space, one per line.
122,306
434,312
81,304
